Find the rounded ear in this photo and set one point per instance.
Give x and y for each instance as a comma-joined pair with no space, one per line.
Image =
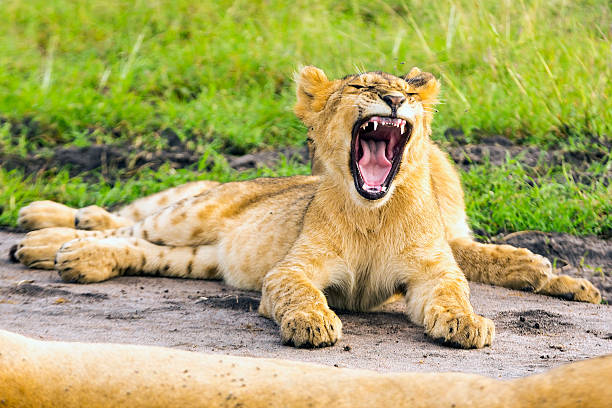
413,72
313,90
424,83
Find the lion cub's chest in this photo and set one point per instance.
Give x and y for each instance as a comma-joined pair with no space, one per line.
365,285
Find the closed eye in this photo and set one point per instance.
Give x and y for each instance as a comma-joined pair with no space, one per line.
357,86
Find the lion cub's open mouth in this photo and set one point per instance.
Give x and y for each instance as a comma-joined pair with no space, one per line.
376,152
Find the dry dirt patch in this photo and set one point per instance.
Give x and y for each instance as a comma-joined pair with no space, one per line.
534,332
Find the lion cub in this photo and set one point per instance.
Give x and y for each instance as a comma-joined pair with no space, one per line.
384,215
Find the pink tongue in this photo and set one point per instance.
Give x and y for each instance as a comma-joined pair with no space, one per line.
374,165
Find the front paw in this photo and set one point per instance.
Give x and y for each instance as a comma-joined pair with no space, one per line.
86,260
45,214
318,327
464,330
38,248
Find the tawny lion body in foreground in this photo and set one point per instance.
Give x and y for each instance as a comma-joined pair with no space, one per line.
56,374
383,216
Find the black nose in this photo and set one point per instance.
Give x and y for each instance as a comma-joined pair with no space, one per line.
394,101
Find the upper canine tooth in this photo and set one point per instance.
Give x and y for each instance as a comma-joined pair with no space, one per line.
402,128
364,125
375,124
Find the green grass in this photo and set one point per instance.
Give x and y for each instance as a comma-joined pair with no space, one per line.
514,198
499,199
18,189
218,73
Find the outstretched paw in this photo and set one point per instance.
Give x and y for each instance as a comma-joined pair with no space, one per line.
38,248
519,268
464,330
569,288
317,327
45,214
522,269
87,260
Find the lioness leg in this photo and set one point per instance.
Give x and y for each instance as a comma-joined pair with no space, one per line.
518,268
438,298
46,214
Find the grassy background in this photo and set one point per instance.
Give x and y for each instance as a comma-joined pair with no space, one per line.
218,73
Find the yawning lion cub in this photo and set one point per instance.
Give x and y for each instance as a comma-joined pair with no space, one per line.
383,215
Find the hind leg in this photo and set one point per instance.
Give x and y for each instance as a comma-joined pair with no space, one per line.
94,256
143,207
189,223
88,260
518,268
47,214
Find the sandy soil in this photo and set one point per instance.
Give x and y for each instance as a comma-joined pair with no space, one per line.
533,332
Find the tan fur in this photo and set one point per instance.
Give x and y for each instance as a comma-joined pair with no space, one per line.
56,374
312,241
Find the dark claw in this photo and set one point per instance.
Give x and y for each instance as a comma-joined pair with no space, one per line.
12,252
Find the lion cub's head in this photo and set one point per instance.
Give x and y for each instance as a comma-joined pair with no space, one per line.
366,130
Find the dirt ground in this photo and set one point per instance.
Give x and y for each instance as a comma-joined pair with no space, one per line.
534,332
